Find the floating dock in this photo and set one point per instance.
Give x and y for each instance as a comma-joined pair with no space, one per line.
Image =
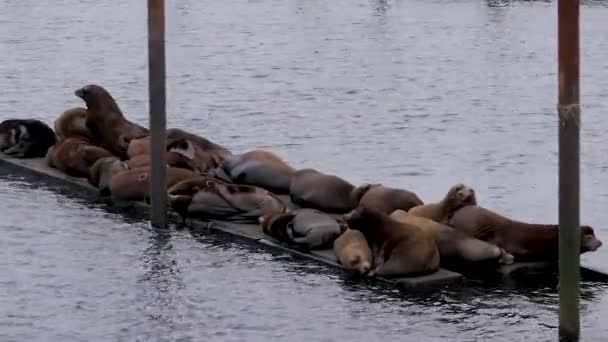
37,169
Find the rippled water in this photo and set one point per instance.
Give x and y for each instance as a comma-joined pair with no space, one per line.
417,94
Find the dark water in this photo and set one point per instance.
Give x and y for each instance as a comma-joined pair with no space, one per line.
416,94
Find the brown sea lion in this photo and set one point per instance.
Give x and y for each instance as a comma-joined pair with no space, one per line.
399,249
74,156
258,167
191,186
456,247
107,124
526,241
102,172
25,138
134,184
458,196
388,199
307,229
310,188
353,252
72,122
227,202
173,159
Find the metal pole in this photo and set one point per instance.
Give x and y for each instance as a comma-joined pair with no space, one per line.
569,171
156,78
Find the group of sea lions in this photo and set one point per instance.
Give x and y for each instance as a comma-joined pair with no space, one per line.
372,228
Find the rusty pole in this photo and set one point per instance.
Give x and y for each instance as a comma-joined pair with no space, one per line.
569,170
157,92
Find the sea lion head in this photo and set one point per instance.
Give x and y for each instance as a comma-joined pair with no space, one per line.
460,195
361,190
589,242
357,264
180,203
360,218
96,96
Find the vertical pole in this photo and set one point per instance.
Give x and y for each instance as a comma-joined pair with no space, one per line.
569,177
156,78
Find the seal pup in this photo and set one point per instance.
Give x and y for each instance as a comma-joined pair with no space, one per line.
259,168
399,249
458,196
72,122
526,241
310,188
102,172
456,247
134,184
107,124
353,252
387,199
74,156
25,138
307,229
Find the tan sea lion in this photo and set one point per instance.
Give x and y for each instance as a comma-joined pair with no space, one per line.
173,159
134,184
353,252
456,247
102,172
25,138
74,156
526,241
399,249
307,229
458,196
72,122
388,199
107,124
258,167
310,188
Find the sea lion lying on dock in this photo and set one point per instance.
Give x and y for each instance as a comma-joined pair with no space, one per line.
134,184
102,172
174,159
259,168
25,138
399,249
388,199
227,202
526,241
74,156
306,228
310,188
105,121
458,196
353,252
456,247
72,123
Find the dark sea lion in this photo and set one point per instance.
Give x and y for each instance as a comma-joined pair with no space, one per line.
388,199
134,184
353,252
526,241
456,247
107,124
74,156
458,196
102,172
310,188
217,200
399,249
259,168
72,122
306,228
25,138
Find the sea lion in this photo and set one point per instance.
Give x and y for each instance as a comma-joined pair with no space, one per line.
353,252
227,202
74,156
259,168
105,121
25,138
134,184
399,249
458,196
310,188
388,199
72,122
191,186
174,159
526,241
102,172
306,228
456,247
